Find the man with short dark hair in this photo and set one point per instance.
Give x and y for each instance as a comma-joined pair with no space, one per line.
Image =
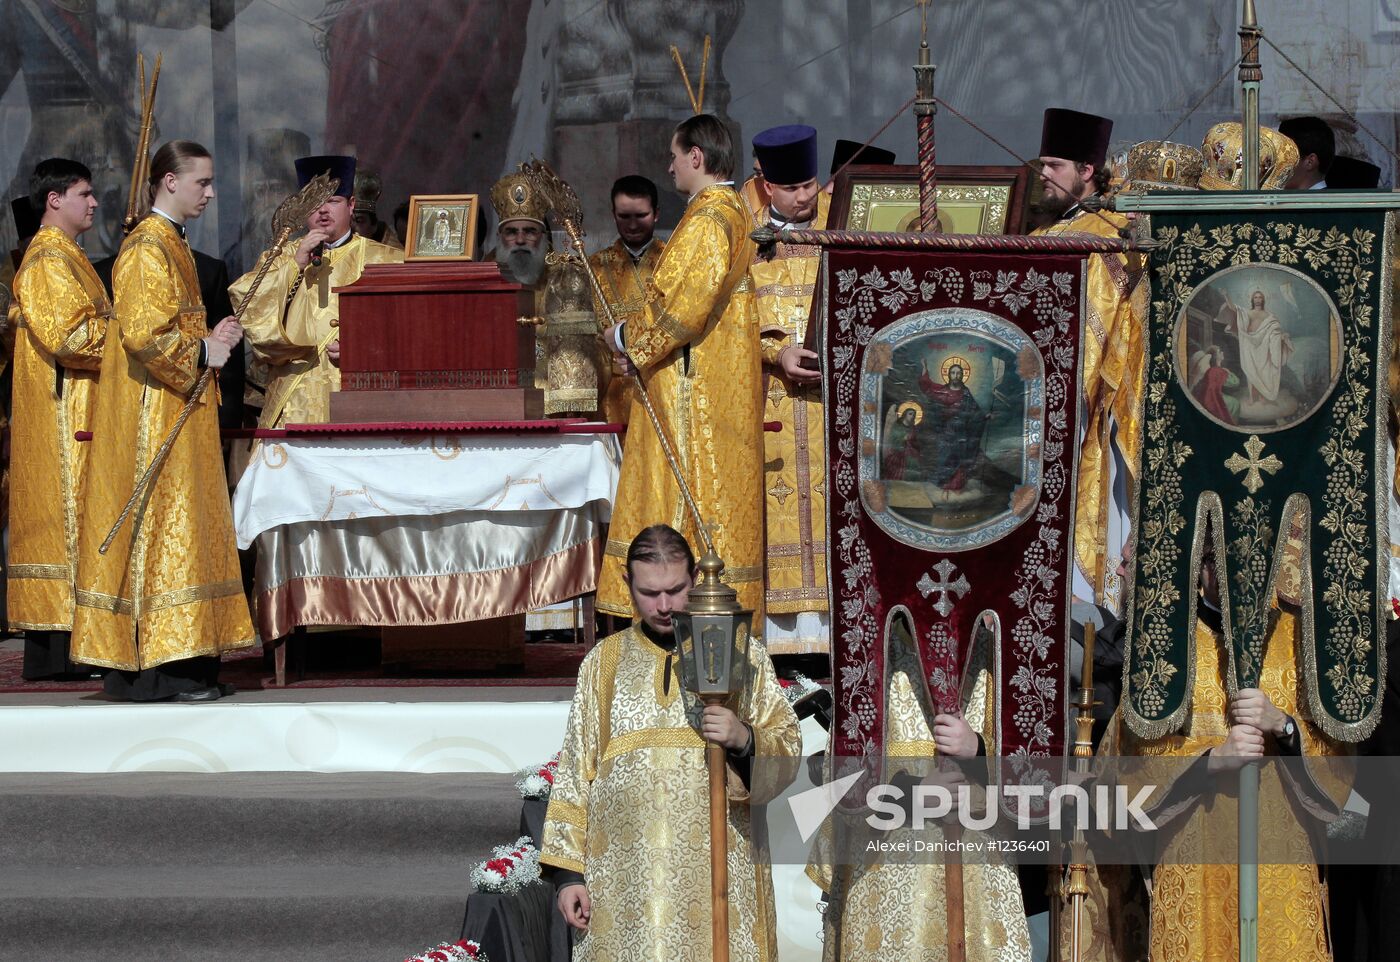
626,832
693,343
59,318
1317,147
624,269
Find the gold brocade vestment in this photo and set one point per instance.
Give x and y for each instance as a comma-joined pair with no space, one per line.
169,587
1114,350
624,282
897,908
629,809
290,331
1195,907
696,346
794,458
59,319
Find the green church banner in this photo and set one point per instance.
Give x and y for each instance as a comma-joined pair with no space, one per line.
1264,457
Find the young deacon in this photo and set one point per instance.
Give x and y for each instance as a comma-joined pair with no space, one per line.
59,318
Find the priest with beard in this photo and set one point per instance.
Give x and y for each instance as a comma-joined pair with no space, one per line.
522,237
1073,151
558,301
522,245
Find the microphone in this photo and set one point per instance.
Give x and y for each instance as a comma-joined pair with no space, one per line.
316,254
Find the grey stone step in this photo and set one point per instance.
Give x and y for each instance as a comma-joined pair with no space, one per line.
245,867
251,818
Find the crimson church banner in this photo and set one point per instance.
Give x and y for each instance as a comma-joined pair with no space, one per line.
952,426
1265,414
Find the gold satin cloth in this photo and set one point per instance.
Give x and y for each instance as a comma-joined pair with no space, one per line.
1116,294
697,349
794,458
898,910
630,809
59,318
289,330
429,570
169,587
1195,907
624,284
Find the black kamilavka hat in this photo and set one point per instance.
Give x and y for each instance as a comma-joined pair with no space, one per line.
1075,135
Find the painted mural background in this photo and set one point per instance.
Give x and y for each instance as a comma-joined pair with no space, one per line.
441,96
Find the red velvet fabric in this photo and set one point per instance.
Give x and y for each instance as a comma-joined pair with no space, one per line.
1022,576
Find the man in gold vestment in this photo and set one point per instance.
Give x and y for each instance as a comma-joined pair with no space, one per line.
897,909
794,458
59,319
289,328
1195,900
696,349
627,829
166,599
1074,147
624,269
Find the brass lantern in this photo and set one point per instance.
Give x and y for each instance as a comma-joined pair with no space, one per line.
712,636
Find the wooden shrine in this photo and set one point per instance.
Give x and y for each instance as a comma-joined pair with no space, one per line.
435,342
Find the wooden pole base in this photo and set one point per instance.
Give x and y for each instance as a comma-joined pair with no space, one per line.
718,766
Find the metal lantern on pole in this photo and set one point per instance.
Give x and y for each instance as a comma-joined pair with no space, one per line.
712,657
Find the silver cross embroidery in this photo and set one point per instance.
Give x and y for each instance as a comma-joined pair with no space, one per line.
945,585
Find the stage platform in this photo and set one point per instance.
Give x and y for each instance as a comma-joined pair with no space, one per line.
417,730
299,762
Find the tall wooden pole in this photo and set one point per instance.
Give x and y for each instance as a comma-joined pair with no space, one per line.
924,109
1250,75
1078,886
717,765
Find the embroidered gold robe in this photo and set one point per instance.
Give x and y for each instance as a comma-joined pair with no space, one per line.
290,331
59,318
169,587
624,282
696,346
1195,907
1116,302
896,909
794,459
630,805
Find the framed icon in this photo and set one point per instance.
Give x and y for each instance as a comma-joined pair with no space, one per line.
971,199
441,227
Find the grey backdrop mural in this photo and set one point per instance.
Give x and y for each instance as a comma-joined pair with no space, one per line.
441,96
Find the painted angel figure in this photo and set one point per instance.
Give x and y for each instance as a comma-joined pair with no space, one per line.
1210,380
900,459
1265,346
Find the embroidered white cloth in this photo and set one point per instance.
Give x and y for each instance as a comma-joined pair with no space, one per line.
412,475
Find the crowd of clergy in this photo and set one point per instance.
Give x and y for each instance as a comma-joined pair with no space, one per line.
142,581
